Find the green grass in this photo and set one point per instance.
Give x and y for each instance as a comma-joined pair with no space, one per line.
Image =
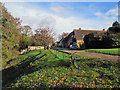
49,70
112,51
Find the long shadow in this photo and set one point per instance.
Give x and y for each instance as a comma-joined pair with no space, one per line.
12,73
51,64
15,72
43,86
8,62
54,54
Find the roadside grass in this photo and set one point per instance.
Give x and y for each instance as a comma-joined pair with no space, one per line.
19,59
50,69
111,51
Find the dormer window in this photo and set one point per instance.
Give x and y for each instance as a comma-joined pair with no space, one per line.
82,36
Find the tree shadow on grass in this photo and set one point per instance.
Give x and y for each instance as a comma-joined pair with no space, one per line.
106,64
54,54
12,73
51,64
44,87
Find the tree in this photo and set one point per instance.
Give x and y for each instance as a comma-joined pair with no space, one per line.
27,31
115,24
88,39
44,36
92,40
25,40
113,33
60,37
107,40
10,34
114,29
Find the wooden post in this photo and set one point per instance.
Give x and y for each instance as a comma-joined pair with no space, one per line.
70,59
59,55
56,52
63,55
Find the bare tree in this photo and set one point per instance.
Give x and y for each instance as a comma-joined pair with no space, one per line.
60,37
44,36
27,31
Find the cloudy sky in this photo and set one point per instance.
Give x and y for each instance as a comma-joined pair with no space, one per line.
65,16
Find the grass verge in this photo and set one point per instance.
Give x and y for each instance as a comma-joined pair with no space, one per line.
111,51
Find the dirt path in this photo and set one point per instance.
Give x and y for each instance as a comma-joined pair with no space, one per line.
97,55
114,58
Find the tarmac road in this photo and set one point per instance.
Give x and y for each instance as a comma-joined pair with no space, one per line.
113,58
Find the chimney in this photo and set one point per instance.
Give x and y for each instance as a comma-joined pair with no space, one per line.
80,29
103,29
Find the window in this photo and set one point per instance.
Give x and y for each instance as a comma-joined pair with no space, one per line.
82,36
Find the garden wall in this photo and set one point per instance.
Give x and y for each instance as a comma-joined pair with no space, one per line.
31,48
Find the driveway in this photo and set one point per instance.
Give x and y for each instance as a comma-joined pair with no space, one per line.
114,58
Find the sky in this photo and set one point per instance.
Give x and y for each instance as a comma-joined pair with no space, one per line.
65,16
60,0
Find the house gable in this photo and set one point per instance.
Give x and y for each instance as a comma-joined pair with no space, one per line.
67,40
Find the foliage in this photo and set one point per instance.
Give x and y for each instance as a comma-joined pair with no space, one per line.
87,39
114,33
115,24
91,41
23,44
27,31
16,37
116,39
47,69
44,36
26,37
10,35
115,28
57,44
74,43
109,39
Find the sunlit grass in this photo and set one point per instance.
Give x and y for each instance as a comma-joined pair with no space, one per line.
50,70
112,51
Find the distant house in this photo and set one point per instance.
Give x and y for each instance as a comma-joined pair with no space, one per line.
63,36
77,37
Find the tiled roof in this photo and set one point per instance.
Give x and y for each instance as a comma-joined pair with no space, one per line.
79,34
65,35
68,37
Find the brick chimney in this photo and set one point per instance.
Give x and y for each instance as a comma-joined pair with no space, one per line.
103,29
80,29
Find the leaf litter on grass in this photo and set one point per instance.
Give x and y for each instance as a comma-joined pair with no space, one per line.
51,71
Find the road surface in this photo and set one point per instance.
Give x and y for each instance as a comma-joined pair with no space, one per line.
114,58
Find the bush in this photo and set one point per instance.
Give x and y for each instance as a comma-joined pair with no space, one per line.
109,39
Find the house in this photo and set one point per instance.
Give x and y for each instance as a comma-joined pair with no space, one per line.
77,37
63,36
